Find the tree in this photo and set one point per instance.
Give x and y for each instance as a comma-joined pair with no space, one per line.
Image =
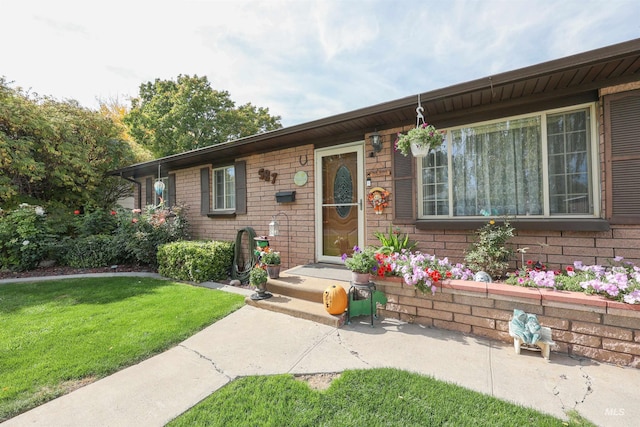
171,117
116,111
57,152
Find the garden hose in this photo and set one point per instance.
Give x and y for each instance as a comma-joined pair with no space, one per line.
249,261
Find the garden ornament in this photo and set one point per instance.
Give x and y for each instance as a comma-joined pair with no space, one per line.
525,326
482,276
378,199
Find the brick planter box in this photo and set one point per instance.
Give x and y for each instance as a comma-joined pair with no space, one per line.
582,325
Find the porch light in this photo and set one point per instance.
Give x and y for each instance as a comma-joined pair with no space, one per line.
274,230
376,141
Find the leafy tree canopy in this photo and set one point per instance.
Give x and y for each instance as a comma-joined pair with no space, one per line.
171,117
57,152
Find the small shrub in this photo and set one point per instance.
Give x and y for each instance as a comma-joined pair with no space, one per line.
270,257
97,221
141,234
394,241
196,261
90,251
24,237
257,276
489,253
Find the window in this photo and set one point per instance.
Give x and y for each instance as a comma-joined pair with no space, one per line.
229,190
224,188
535,165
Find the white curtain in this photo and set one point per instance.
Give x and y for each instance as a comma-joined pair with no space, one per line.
497,169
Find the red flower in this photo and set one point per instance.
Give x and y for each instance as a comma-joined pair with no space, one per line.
448,274
569,268
435,275
76,212
529,262
113,212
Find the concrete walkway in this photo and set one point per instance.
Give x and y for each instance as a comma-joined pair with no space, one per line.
252,341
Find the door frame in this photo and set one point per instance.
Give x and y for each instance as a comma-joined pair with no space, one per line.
358,148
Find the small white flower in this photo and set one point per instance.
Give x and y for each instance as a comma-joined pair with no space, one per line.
24,205
39,211
25,242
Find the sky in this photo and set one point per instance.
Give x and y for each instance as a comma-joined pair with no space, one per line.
304,60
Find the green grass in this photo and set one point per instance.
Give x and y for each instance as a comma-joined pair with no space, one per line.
55,336
377,397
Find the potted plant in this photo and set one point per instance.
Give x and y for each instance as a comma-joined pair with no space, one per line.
419,140
258,279
361,263
272,260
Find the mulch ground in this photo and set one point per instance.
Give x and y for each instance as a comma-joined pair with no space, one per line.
61,271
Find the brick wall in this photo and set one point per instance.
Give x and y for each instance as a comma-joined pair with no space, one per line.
582,325
556,249
261,204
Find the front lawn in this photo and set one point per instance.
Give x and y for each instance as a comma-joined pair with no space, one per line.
376,397
57,336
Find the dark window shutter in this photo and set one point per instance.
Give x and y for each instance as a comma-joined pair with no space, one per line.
205,191
172,189
622,154
148,186
241,187
403,188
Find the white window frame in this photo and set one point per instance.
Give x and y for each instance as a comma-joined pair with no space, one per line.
593,166
225,195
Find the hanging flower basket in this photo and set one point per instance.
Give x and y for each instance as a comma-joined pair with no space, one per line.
419,150
419,140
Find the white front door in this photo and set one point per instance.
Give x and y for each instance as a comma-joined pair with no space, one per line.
339,201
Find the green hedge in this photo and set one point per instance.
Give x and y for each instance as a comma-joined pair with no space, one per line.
195,261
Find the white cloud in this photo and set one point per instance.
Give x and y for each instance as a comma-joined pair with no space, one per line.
304,60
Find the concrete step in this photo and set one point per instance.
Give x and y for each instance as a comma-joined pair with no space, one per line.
300,308
301,296
302,287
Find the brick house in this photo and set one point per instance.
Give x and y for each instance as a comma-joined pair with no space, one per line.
553,146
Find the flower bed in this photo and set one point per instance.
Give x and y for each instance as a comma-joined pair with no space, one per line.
433,292
582,325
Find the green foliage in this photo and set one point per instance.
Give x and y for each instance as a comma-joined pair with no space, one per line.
90,251
62,333
361,260
270,257
25,238
257,276
570,283
196,261
489,253
170,117
141,234
97,221
57,151
96,238
394,241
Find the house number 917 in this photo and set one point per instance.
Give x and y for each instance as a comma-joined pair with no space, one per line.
267,175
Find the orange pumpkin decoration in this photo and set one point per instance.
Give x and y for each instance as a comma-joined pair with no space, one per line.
335,299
